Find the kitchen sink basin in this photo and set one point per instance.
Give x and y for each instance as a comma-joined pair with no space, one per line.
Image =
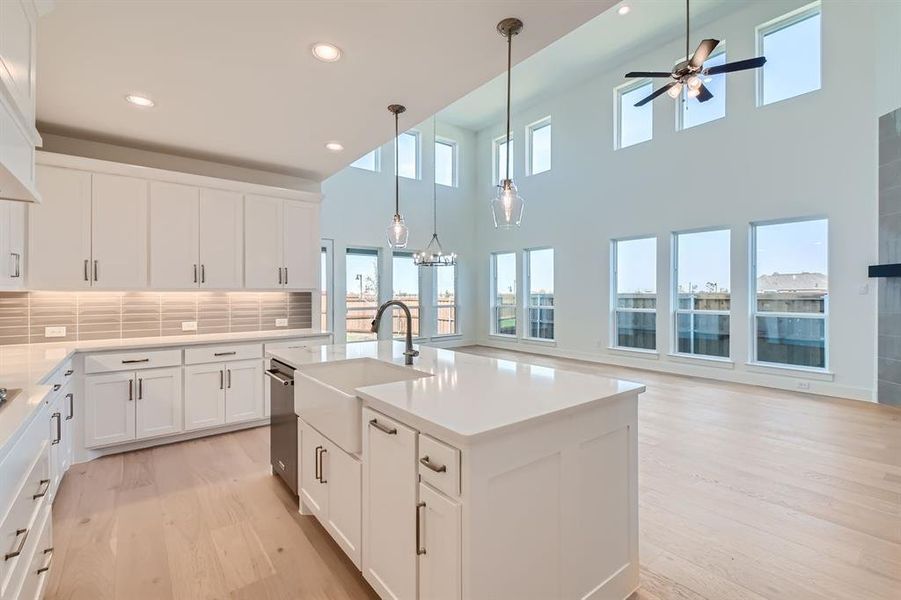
325,396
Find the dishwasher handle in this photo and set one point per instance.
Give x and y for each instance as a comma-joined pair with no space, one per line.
279,377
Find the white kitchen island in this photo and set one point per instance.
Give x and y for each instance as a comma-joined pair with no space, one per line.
465,477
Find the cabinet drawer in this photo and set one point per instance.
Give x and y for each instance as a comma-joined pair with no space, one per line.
20,460
129,361
17,531
299,343
209,354
439,465
59,378
41,553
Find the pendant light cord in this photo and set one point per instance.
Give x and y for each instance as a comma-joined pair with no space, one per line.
434,179
396,167
509,68
687,17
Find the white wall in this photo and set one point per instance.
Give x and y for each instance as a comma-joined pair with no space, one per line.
813,155
358,206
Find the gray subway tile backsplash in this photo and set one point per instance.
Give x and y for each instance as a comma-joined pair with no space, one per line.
24,316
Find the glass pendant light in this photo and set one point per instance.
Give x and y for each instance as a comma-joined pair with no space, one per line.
434,255
506,207
397,231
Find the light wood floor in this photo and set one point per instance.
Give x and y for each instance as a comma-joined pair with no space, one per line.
746,493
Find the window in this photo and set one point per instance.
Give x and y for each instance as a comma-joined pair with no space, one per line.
325,285
635,293
503,293
792,289
362,293
445,286
368,162
540,308
702,303
405,285
791,45
692,112
540,146
408,155
634,124
446,163
500,159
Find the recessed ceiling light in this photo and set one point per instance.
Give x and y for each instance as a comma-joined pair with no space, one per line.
139,100
334,146
623,10
326,52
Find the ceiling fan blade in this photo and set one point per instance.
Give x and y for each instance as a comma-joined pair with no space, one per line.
656,93
647,74
703,52
704,94
739,65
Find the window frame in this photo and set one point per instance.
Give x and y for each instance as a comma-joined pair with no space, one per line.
618,93
455,305
495,154
530,131
417,151
614,309
493,306
527,292
676,311
455,161
683,97
754,313
363,250
417,309
783,22
377,161
327,245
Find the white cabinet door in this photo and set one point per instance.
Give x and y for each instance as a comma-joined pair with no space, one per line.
67,446
440,573
12,240
221,239
55,435
263,242
59,230
389,506
204,396
109,409
158,402
313,492
119,232
302,244
342,474
243,391
174,230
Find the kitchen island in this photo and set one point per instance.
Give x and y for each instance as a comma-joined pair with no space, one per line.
468,477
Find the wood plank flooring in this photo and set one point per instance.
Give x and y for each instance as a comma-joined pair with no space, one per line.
746,493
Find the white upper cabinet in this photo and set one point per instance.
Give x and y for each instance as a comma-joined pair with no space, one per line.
301,231
281,243
12,244
119,232
174,229
221,239
59,231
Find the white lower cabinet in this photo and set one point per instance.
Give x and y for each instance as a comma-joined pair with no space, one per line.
223,393
158,406
439,546
330,487
243,391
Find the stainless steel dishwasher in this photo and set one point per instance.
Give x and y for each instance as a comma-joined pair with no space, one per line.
283,423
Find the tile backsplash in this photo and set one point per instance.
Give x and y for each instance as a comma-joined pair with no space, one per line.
24,316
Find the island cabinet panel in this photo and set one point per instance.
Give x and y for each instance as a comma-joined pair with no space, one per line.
158,402
109,409
174,229
118,232
313,493
389,506
204,396
342,474
440,546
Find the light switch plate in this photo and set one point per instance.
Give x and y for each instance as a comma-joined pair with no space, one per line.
54,332
281,322
189,325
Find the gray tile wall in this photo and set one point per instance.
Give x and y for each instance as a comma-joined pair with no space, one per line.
889,354
108,315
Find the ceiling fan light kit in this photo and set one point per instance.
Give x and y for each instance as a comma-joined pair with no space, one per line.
507,205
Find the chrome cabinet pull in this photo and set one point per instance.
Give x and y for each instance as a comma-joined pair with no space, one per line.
45,484
46,567
16,271
232,353
316,466
96,278
59,427
228,378
221,379
419,549
87,277
195,273
18,550
389,430
202,273
322,478
131,383
70,397
132,361
424,461
140,388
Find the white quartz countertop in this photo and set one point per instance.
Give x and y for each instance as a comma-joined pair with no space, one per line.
27,366
468,397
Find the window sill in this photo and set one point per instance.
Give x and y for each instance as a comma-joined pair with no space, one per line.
789,370
640,352
714,361
540,341
503,336
447,336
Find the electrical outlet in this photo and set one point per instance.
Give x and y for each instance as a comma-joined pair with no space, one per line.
803,385
281,322
189,325
54,332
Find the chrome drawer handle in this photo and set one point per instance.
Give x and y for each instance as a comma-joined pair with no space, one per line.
46,567
132,361
424,461
419,549
389,430
45,483
18,551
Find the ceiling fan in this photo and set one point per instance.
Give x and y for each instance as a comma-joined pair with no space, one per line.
689,72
